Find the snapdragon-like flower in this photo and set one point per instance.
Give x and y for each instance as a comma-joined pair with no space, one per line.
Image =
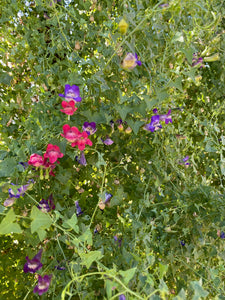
156,119
122,297
75,137
53,153
108,196
90,128
197,62
43,284
20,192
107,141
68,108
36,160
72,93
82,159
46,205
184,161
131,61
79,210
34,264
222,235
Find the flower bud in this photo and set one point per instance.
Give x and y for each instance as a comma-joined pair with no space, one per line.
123,26
213,57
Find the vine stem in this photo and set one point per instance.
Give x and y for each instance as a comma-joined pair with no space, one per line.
100,273
101,190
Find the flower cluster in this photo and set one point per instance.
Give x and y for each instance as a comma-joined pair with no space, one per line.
156,119
47,161
32,266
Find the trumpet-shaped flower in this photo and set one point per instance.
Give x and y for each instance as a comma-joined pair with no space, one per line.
72,93
90,128
107,141
36,160
68,107
75,137
131,61
53,153
79,210
154,124
166,118
46,205
34,264
82,159
43,284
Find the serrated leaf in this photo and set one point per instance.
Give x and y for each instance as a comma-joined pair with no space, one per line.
89,258
7,226
135,125
127,275
189,54
123,111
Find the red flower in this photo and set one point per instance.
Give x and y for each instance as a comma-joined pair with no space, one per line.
36,160
75,137
82,141
69,107
53,153
70,133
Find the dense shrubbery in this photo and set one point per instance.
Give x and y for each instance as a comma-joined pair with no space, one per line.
112,149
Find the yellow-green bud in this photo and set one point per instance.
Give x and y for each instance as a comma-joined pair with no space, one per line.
123,26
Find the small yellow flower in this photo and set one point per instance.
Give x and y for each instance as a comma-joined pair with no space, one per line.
123,26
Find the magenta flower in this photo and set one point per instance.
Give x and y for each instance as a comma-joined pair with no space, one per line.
43,284
46,205
75,137
53,153
90,128
68,107
131,61
72,93
34,264
36,160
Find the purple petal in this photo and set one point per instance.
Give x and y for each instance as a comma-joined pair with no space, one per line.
139,62
108,196
186,158
107,141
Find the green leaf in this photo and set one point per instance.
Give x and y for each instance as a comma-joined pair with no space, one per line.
198,289
177,84
162,270
41,221
188,52
89,258
5,78
178,37
123,111
181,295
7,226
135,125
71,223
86,237
127,275
7,167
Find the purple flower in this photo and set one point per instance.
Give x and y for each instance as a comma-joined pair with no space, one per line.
222,235
34,264
90,128
131,61
119,241
164,5
197,62
182,243
166,118
107,141
79,211
155,110
43,284
71,93
108,196
46,205
20,192
154,124
122,297
184,161
82,159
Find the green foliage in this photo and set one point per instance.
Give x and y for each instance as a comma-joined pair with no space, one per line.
132,247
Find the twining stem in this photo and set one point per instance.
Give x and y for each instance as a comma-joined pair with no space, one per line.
79,278
101,191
